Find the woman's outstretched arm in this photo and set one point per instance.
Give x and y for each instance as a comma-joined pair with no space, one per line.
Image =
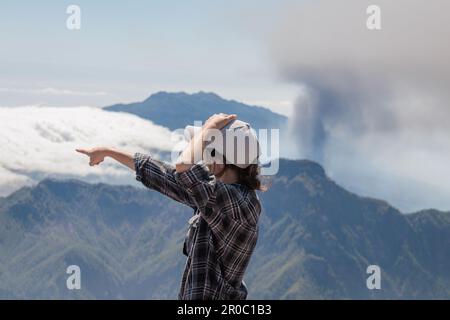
98,155
152,173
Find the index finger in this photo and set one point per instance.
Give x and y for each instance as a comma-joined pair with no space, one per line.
83,151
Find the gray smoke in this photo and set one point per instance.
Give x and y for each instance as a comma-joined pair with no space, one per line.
373,105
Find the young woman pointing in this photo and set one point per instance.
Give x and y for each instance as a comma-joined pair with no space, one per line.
224,228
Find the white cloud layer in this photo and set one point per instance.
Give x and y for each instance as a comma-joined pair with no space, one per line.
372,105
38,142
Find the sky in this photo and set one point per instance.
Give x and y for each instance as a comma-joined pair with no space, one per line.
371,106
126,50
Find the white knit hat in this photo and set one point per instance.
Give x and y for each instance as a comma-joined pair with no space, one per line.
238,144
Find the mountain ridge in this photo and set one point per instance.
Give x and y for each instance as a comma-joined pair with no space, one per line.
316,241
177,109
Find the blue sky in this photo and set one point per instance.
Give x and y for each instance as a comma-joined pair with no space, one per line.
126,50
370,103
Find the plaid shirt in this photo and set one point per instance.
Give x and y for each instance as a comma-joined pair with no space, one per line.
223,230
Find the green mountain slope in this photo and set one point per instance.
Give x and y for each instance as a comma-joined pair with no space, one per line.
316,241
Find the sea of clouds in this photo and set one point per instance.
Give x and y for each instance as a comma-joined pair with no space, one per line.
39,142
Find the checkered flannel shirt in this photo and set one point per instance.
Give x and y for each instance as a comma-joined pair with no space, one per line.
223,230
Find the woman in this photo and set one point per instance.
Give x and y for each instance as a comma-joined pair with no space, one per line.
224,228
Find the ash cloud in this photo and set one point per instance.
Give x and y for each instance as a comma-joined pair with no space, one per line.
373,105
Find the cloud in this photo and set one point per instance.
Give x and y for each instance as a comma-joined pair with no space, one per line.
372,105
38,142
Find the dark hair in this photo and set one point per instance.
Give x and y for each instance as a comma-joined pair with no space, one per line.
249,177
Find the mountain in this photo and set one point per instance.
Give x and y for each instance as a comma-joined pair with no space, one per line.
316,241
319,239
125,240
176,110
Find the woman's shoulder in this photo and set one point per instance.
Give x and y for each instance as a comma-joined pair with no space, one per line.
237,189
241,196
